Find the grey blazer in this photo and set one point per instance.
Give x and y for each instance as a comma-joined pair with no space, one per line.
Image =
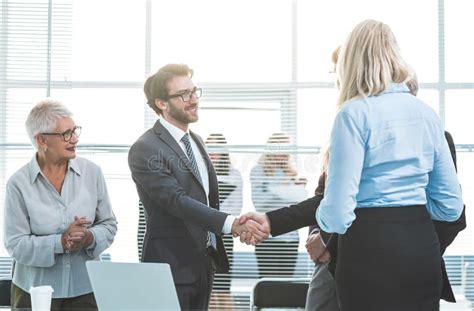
177,214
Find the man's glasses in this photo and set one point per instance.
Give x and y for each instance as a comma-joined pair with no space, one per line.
67,135
188,94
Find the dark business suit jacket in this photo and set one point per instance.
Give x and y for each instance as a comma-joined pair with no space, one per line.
447,231
175,203
303,214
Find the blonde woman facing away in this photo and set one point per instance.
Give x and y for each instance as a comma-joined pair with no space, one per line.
398,177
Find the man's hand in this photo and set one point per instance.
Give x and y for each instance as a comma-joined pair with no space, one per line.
77,235
251,230
316,249
252,237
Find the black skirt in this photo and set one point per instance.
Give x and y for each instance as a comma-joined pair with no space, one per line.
389,259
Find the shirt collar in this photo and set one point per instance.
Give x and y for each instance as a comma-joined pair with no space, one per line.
35,169
397,88
74,166
175,131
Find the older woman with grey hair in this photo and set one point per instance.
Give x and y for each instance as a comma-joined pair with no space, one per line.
57,213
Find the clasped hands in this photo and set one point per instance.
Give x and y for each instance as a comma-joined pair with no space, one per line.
253,228
77,235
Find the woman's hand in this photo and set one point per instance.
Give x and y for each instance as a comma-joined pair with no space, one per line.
77,236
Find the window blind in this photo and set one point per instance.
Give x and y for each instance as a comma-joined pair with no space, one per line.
267,75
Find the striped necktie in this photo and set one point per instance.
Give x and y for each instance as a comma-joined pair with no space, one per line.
211,237
189,152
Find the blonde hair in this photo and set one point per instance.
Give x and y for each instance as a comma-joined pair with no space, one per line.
335,56
413,85
369,61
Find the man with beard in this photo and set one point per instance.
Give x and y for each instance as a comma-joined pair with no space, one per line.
178,187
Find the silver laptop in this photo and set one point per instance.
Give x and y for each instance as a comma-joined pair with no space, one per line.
132,286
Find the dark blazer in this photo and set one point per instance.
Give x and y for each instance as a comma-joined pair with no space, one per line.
447,231
175,203
303,214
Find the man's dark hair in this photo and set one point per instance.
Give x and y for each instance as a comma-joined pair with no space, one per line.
156,86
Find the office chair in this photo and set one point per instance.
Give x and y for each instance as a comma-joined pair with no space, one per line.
6,268
141,229
279,293
469,282
5,287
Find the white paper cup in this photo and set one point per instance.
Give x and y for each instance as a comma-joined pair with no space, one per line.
41,298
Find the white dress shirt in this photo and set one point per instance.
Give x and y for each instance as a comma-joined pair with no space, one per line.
177,134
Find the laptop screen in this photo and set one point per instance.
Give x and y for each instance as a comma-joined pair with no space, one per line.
132,286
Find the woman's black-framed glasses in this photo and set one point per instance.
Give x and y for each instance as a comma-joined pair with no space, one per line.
67,134
187,94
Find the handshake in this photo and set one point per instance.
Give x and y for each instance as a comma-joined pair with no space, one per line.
253,228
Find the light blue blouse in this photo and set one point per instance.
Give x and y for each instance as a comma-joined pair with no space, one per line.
36,215
388,150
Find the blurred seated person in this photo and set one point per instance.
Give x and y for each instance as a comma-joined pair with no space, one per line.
57,213
230,199
274,184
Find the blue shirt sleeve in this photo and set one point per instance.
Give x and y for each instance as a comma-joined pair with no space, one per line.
443,193
346,160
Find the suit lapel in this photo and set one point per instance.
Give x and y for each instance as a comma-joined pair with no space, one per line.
166,137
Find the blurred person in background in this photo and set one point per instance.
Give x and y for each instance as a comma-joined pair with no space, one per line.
230,198
274,183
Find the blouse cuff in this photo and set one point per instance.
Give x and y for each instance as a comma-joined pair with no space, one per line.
58,246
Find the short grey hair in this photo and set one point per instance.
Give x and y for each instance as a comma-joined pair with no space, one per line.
44,117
